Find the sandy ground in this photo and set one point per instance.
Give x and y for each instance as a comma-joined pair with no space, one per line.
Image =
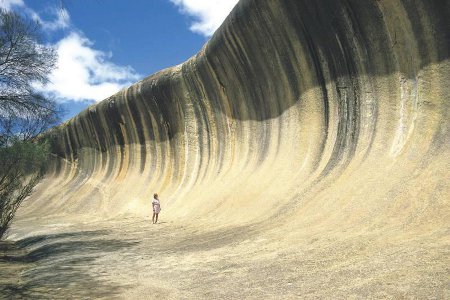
133,259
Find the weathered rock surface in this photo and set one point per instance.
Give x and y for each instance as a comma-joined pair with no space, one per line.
311,124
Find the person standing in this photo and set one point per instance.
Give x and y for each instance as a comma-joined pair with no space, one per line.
156,208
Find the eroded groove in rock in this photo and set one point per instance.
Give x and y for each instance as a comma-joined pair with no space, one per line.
324,112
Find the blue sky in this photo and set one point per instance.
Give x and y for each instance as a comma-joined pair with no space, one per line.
105,45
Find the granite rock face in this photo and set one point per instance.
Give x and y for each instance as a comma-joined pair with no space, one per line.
324,114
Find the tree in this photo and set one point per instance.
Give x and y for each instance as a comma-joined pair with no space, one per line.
24,113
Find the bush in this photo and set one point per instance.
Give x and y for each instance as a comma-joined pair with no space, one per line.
21,167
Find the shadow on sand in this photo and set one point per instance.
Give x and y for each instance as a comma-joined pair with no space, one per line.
58,266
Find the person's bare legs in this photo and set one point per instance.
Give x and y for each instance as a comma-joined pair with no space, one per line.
156,221
153,218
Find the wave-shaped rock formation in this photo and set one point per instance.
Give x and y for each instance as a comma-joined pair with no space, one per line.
292,107
308,116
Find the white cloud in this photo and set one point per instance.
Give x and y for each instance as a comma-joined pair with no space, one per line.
61,21
84,73
9,4
60,16
209,14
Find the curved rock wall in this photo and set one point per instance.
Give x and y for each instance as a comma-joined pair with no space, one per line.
316,112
